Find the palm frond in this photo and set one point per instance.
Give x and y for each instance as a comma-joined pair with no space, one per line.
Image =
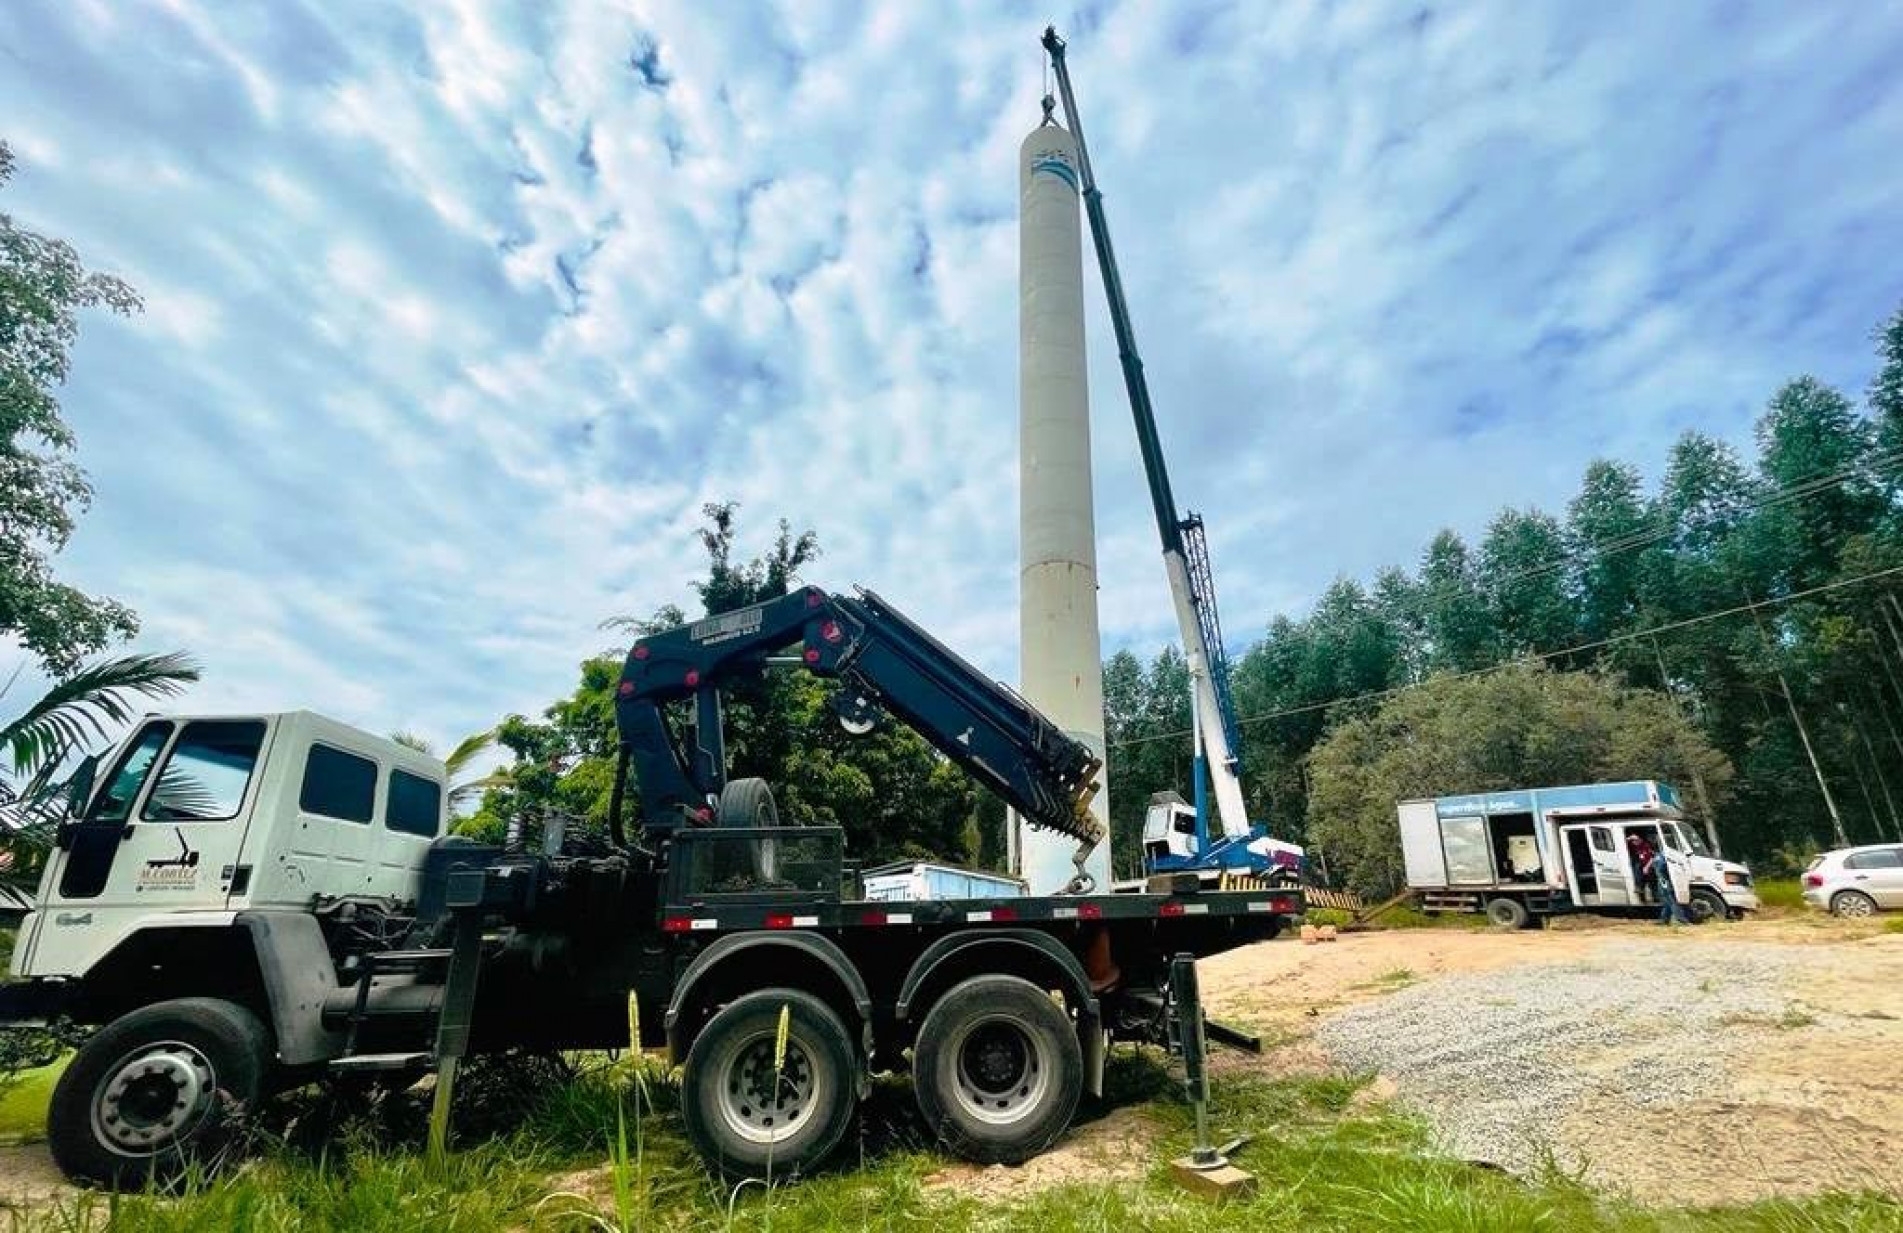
410,740
464,793
85,706
468,750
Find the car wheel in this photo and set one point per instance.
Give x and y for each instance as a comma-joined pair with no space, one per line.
1850,904
156,1090
997,1070
1708,905
750,1114
1507,913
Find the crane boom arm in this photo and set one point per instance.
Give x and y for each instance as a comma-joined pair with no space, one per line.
882,661
1195,608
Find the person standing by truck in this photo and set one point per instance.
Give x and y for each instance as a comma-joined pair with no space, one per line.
1641,853
1660,871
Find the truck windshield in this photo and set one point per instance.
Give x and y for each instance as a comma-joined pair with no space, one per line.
1682,836
115,803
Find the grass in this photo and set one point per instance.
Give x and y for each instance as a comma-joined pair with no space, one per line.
604,1151
23,1103
1784,894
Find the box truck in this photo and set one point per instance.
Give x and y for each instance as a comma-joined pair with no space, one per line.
1529,853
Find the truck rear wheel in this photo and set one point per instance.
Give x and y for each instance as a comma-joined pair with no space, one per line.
155,1090
749,1118
1507,913
997,1070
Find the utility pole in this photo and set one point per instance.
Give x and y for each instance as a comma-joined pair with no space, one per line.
1797,721
1883,782
1698,777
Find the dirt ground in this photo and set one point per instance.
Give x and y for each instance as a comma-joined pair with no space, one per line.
1809,1100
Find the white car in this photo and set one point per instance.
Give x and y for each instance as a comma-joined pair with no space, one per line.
1856,881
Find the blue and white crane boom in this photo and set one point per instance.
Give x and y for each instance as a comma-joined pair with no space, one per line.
1195,604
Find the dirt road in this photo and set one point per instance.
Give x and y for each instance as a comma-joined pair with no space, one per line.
1724,1063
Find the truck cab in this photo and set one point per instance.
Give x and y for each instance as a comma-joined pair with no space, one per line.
193,820
1176,841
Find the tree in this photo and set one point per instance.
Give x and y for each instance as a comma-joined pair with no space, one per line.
1523,725
1523,564
1605,525
1814,449
73,714
43,287
1886,401
1455,619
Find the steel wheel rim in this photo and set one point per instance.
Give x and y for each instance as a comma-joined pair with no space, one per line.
1001,1069
154,1097
762,1106
1852,903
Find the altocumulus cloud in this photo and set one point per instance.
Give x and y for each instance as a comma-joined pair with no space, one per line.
458,314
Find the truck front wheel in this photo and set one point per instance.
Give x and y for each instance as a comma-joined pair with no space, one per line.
997,1070
1708,905
155,1090
754,1112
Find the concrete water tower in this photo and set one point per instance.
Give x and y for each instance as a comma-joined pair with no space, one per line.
1061,661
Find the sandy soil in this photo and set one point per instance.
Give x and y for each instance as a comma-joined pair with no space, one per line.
1114,1148
29,1178
1810,1099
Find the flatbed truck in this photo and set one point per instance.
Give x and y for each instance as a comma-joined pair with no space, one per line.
243,904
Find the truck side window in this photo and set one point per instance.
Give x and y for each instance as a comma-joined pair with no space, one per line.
413,804
115,803
205,777
1602,838
338,785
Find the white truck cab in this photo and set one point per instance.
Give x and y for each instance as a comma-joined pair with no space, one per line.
195,819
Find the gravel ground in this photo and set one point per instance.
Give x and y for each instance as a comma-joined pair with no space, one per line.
1496,1059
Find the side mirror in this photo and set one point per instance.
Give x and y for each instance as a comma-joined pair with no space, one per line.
79,788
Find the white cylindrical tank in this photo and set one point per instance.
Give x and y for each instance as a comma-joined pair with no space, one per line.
1061,661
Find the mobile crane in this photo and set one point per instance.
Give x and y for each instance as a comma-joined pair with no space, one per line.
246,903
1176,835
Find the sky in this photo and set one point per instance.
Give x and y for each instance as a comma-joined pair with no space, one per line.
458,312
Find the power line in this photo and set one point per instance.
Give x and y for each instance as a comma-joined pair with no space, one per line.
1541,656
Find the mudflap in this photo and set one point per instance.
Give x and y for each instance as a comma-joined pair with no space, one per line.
1096,1043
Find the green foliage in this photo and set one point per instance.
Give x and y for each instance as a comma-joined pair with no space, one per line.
1524,725
43,287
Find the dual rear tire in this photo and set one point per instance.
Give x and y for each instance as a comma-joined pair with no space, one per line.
997,1069
997,1072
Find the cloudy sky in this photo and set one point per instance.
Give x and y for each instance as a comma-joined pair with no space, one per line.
457,315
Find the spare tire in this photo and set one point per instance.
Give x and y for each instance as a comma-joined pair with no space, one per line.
748,802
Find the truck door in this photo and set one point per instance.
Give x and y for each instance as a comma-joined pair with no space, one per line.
165,823
1579,867
1610,867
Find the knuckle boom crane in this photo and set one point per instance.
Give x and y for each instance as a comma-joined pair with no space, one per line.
881,660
